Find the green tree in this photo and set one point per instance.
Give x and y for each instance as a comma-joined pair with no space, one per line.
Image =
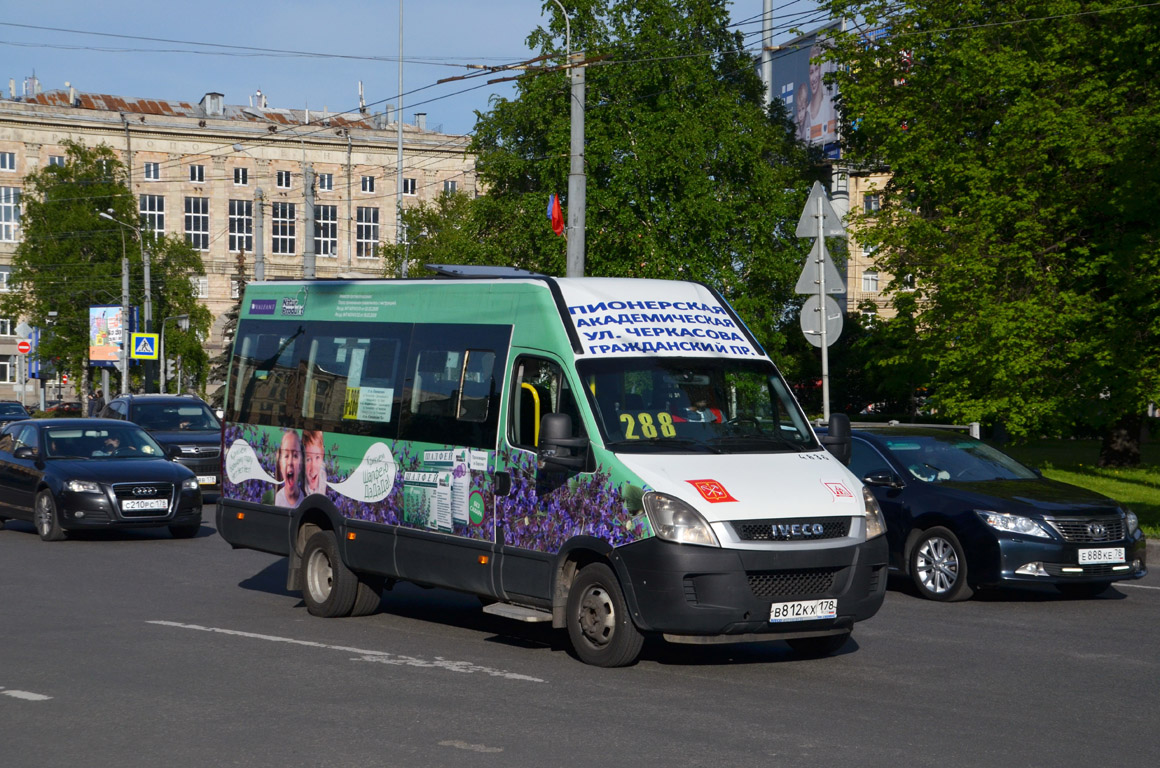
70,258
1020,202
688,175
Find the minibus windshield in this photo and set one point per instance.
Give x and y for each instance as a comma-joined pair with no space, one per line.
694,405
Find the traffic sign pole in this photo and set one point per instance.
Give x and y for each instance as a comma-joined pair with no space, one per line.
822,303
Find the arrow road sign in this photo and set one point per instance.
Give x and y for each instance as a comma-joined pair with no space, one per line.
808,282
808,223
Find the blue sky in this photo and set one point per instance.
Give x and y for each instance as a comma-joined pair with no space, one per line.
166,50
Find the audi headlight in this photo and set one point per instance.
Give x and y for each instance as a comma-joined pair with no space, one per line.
1024,526
82,486
674,520
1132,521
189,484
875,522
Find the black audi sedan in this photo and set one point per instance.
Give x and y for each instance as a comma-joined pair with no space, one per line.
83,474
179,422
962,515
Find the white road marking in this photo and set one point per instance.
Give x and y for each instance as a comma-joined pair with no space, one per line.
380,657
470,747
1135,586
26,695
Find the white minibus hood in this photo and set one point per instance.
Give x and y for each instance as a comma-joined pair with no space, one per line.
753,486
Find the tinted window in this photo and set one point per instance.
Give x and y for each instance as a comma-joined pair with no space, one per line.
353,378
865,460
192,416
264,374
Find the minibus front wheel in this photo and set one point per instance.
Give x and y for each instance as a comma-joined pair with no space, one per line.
598,620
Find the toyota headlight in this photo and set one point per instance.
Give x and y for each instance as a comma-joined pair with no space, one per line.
1131,521
1024,526
189,484
875,522
82,486
674,520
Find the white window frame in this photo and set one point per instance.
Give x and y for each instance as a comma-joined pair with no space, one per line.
8,369
871,203
235,288
151,213
197,222
56,160
326,230
870,281
368,184
152,171
326,182
282,228
366,231
410,187
9,214
241,226
6,327
200,285
241,177
283,180
197,174
5,279
8,161
450,186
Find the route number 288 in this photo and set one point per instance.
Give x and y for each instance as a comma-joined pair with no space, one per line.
648,425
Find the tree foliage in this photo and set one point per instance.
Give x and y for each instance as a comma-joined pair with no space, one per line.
70,258
1019,137
688,175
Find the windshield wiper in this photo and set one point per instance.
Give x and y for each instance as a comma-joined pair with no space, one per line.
662,442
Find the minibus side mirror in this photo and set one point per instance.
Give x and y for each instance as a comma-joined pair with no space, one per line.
557,447
837,441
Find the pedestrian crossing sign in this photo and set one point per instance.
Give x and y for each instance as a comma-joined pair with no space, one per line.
144,346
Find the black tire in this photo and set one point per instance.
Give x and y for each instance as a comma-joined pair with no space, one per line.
2,521
817,647
46,519
1082,590
938,566
185,531
368,596
330,588
599,625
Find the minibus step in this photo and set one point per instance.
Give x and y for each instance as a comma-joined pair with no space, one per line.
517,612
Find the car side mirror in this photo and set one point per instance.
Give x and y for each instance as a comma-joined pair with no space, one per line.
884,479
25,452
837,441
173,452
557,448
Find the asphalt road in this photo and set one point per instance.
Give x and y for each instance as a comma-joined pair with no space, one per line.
139,650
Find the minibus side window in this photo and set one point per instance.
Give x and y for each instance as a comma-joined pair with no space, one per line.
539,387
353,378
265,374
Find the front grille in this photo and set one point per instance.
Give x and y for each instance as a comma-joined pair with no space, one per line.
1090,530
808,581
1102,569
200,452
783,530
140,491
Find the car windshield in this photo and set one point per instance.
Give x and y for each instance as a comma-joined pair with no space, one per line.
124,441
942,458
694,405
12,409
193,416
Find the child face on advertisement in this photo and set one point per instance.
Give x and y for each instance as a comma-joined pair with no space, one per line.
290,462
315,476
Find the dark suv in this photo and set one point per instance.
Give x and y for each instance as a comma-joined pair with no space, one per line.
11,410
178,420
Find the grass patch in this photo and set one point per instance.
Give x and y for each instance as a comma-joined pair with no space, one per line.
1074,461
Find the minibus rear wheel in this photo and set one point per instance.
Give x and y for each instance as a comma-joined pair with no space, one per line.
599,624
331,588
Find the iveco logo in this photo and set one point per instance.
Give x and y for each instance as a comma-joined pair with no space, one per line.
1097,531
142,491
796,530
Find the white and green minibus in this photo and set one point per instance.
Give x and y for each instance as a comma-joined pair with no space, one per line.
618,457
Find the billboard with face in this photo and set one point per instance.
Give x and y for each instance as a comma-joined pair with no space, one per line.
798,79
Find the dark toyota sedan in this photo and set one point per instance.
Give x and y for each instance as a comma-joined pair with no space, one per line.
962,515
82,474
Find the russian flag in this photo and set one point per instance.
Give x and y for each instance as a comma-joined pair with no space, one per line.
555,215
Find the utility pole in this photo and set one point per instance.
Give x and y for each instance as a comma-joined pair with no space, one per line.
577,180
767,50
308,263
259,240
400,238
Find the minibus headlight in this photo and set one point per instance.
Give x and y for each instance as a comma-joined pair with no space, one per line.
875,522
674,520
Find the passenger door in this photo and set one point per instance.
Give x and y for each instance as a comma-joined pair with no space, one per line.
529,534
865,460
20,476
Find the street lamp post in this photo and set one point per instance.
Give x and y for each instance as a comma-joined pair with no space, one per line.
124,310
148,291
183,324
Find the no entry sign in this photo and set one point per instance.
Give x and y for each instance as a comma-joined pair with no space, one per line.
24,347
